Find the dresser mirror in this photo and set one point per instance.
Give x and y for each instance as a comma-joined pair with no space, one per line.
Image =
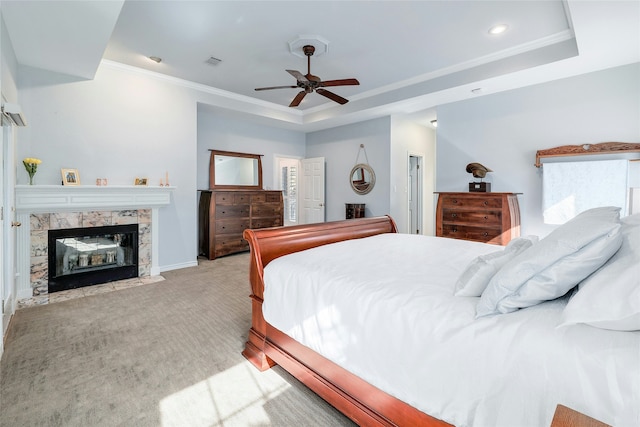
362,178
231,170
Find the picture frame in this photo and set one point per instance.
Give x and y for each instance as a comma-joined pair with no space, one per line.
141,181
70,176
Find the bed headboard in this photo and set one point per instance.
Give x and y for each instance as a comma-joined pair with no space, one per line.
268,244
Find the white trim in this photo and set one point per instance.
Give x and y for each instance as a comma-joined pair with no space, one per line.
178,266
54,198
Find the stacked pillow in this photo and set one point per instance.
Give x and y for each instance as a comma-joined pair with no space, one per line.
475,278
610,297
556,264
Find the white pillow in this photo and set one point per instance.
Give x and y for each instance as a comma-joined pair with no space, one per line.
550,268
610,297
475,278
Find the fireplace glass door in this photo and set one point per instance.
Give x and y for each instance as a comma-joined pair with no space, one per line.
88,256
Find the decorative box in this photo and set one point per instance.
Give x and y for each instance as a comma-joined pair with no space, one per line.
480,187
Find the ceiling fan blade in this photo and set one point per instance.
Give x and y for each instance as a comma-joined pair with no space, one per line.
342,82
332,96
298,99
275,87
298,75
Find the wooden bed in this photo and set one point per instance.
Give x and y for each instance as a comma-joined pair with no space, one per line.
267,346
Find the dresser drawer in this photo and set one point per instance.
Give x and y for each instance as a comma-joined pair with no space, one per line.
232,211
478,217
273,197
451,201
241,198
229,226
266,222
266,209
259,198
480,234
224,198
230,243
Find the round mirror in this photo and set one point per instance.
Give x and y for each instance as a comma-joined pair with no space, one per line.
362,178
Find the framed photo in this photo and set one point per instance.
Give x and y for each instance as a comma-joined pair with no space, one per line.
70,177
140,181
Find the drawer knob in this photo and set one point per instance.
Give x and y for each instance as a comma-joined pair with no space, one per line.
485,234
454,201
455,230
486,217
454,215
485,203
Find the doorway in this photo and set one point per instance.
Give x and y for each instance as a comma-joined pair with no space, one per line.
415,193
302,185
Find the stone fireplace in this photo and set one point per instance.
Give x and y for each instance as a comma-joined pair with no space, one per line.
56,212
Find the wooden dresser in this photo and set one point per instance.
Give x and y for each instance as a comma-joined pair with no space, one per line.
225,214
483,217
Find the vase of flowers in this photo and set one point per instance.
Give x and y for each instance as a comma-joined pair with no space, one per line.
31,165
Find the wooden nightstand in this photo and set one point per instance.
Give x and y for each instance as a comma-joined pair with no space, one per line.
483,217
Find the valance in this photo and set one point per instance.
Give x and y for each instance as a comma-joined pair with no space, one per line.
586,149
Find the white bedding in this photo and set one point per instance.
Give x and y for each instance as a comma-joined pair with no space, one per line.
383,308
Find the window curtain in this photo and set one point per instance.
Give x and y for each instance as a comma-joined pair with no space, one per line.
569,188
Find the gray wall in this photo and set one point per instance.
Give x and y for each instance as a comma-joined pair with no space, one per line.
117,126
503,131
407,138
220,131
339,146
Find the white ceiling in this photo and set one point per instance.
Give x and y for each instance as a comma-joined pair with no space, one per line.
409,56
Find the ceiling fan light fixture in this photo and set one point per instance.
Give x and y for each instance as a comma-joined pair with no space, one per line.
498,29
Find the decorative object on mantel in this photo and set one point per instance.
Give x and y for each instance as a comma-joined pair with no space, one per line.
362,178
479,171
140,181
587,149
31,165
101,181
70,176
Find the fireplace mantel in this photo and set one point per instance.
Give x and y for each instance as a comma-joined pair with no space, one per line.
59,198
40,199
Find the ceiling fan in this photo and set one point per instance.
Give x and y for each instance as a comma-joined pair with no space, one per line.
310,83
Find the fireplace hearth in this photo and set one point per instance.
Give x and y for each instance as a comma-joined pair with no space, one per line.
88,256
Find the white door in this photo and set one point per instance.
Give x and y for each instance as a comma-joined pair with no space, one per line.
3,286
312,194
8,268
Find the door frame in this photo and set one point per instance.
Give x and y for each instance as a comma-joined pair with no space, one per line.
418,183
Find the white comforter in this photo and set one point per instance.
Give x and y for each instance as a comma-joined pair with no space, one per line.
383,308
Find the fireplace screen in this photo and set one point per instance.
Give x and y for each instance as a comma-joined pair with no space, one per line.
88,256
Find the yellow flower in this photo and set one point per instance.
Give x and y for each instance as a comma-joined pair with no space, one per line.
31,165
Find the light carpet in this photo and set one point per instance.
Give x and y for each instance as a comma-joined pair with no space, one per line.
162,354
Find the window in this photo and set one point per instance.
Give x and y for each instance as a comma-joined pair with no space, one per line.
288,183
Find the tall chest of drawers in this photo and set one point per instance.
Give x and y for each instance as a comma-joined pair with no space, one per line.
483,217
225,214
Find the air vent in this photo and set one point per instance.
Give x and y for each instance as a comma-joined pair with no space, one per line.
213,60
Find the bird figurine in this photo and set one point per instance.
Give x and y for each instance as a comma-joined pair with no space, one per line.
478,170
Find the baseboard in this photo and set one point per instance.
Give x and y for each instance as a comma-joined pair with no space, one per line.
177,266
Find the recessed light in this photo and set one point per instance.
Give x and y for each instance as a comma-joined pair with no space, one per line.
498,29
156,59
